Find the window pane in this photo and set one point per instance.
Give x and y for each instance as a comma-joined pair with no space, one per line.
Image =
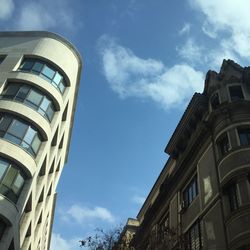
11,90
34,97
27,65
18,183
45,103
22,93
236,93
29,135
61,87
37,67
4,123
12,138
17,128
50,113
3,166
57,78
48,72
36,144
9,177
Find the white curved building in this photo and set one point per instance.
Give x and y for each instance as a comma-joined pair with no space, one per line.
39,80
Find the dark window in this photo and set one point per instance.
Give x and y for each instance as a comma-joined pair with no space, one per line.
215,102
2,59
46,71
11,180
2,227
233,197
190,192
31,97
193,237
223,144
244,135
20,133
236,93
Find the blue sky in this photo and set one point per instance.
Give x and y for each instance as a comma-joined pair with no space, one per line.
143,60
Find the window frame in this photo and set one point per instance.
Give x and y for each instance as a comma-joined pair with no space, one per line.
240,135
192,235
235,98
41,73
28,102
223,149
191,191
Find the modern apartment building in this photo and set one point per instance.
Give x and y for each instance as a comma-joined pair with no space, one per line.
201,199
39,80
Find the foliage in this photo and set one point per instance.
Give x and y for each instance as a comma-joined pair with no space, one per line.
102,239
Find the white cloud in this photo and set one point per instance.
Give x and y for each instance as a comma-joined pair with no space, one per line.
131,76
138,199
6,9
59,243
185,29
190,51
44,15
83,214
228,20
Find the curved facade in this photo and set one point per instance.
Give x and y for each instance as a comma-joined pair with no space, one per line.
201,199
39,80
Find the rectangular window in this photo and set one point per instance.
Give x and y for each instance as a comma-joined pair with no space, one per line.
233,197
190,192
236,93
215,102
193,237
223,144
244,136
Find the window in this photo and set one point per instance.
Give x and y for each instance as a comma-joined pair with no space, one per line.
2,58
223,144
190,192
11,180
31,97
2,227
236,93
244,136
215,102
20,133
193,237
44,70
233,197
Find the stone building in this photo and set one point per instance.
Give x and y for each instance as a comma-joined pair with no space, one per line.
39,80
201,199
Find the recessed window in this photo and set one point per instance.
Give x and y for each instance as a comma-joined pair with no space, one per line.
215,101
190,192
193,237
20,133
31,97
233,197
46,71
244,136
11,180
236,93
2,227
223,144
2,58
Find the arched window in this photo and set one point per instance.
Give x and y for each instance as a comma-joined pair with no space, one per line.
20,133
12,180
31,97
44,70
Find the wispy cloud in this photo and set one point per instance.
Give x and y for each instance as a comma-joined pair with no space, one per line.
85,214
190,51
38,15
185,29
137,199
228,21
6,9
59,243
131,76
